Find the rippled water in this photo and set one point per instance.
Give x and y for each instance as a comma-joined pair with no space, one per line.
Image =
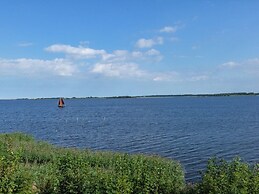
188,129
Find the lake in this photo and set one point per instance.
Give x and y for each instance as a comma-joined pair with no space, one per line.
187,129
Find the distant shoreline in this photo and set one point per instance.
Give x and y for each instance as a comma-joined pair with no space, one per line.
150,96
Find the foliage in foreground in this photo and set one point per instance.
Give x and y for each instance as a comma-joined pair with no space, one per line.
28,166
232,177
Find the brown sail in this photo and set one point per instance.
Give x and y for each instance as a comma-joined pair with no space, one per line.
61,103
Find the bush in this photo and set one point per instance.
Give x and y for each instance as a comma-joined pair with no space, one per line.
229,177
45,178
12,177
72,174
28,166
119,173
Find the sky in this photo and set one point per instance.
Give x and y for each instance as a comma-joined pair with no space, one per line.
127,47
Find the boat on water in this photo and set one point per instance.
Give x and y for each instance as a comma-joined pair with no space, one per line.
61,103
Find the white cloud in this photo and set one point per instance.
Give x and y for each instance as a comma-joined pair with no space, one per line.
119,63
120,52
33,67
117,55
127,69
167,76
145,43
152,52
132,70
77,52
148,43
118,70
124,56
137,54
247,68
169,29
230,64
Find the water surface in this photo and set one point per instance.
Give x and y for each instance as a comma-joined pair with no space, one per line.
187,129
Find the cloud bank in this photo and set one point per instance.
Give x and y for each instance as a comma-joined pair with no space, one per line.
124,70
122,64
37,67
78,52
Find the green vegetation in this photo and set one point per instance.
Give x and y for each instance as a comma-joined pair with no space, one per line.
29,166
232,177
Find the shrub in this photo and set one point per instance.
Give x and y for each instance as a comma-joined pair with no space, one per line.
229,177
72,174
118,173
12,177
41,168
45,178
155,175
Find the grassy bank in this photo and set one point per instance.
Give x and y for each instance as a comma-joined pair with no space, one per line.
37,167
29,166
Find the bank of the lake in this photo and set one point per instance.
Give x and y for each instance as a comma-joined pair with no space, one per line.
187,129
30,166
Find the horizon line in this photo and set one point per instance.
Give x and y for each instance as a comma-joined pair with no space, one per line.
139,96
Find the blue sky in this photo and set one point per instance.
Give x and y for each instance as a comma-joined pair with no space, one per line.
118,47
